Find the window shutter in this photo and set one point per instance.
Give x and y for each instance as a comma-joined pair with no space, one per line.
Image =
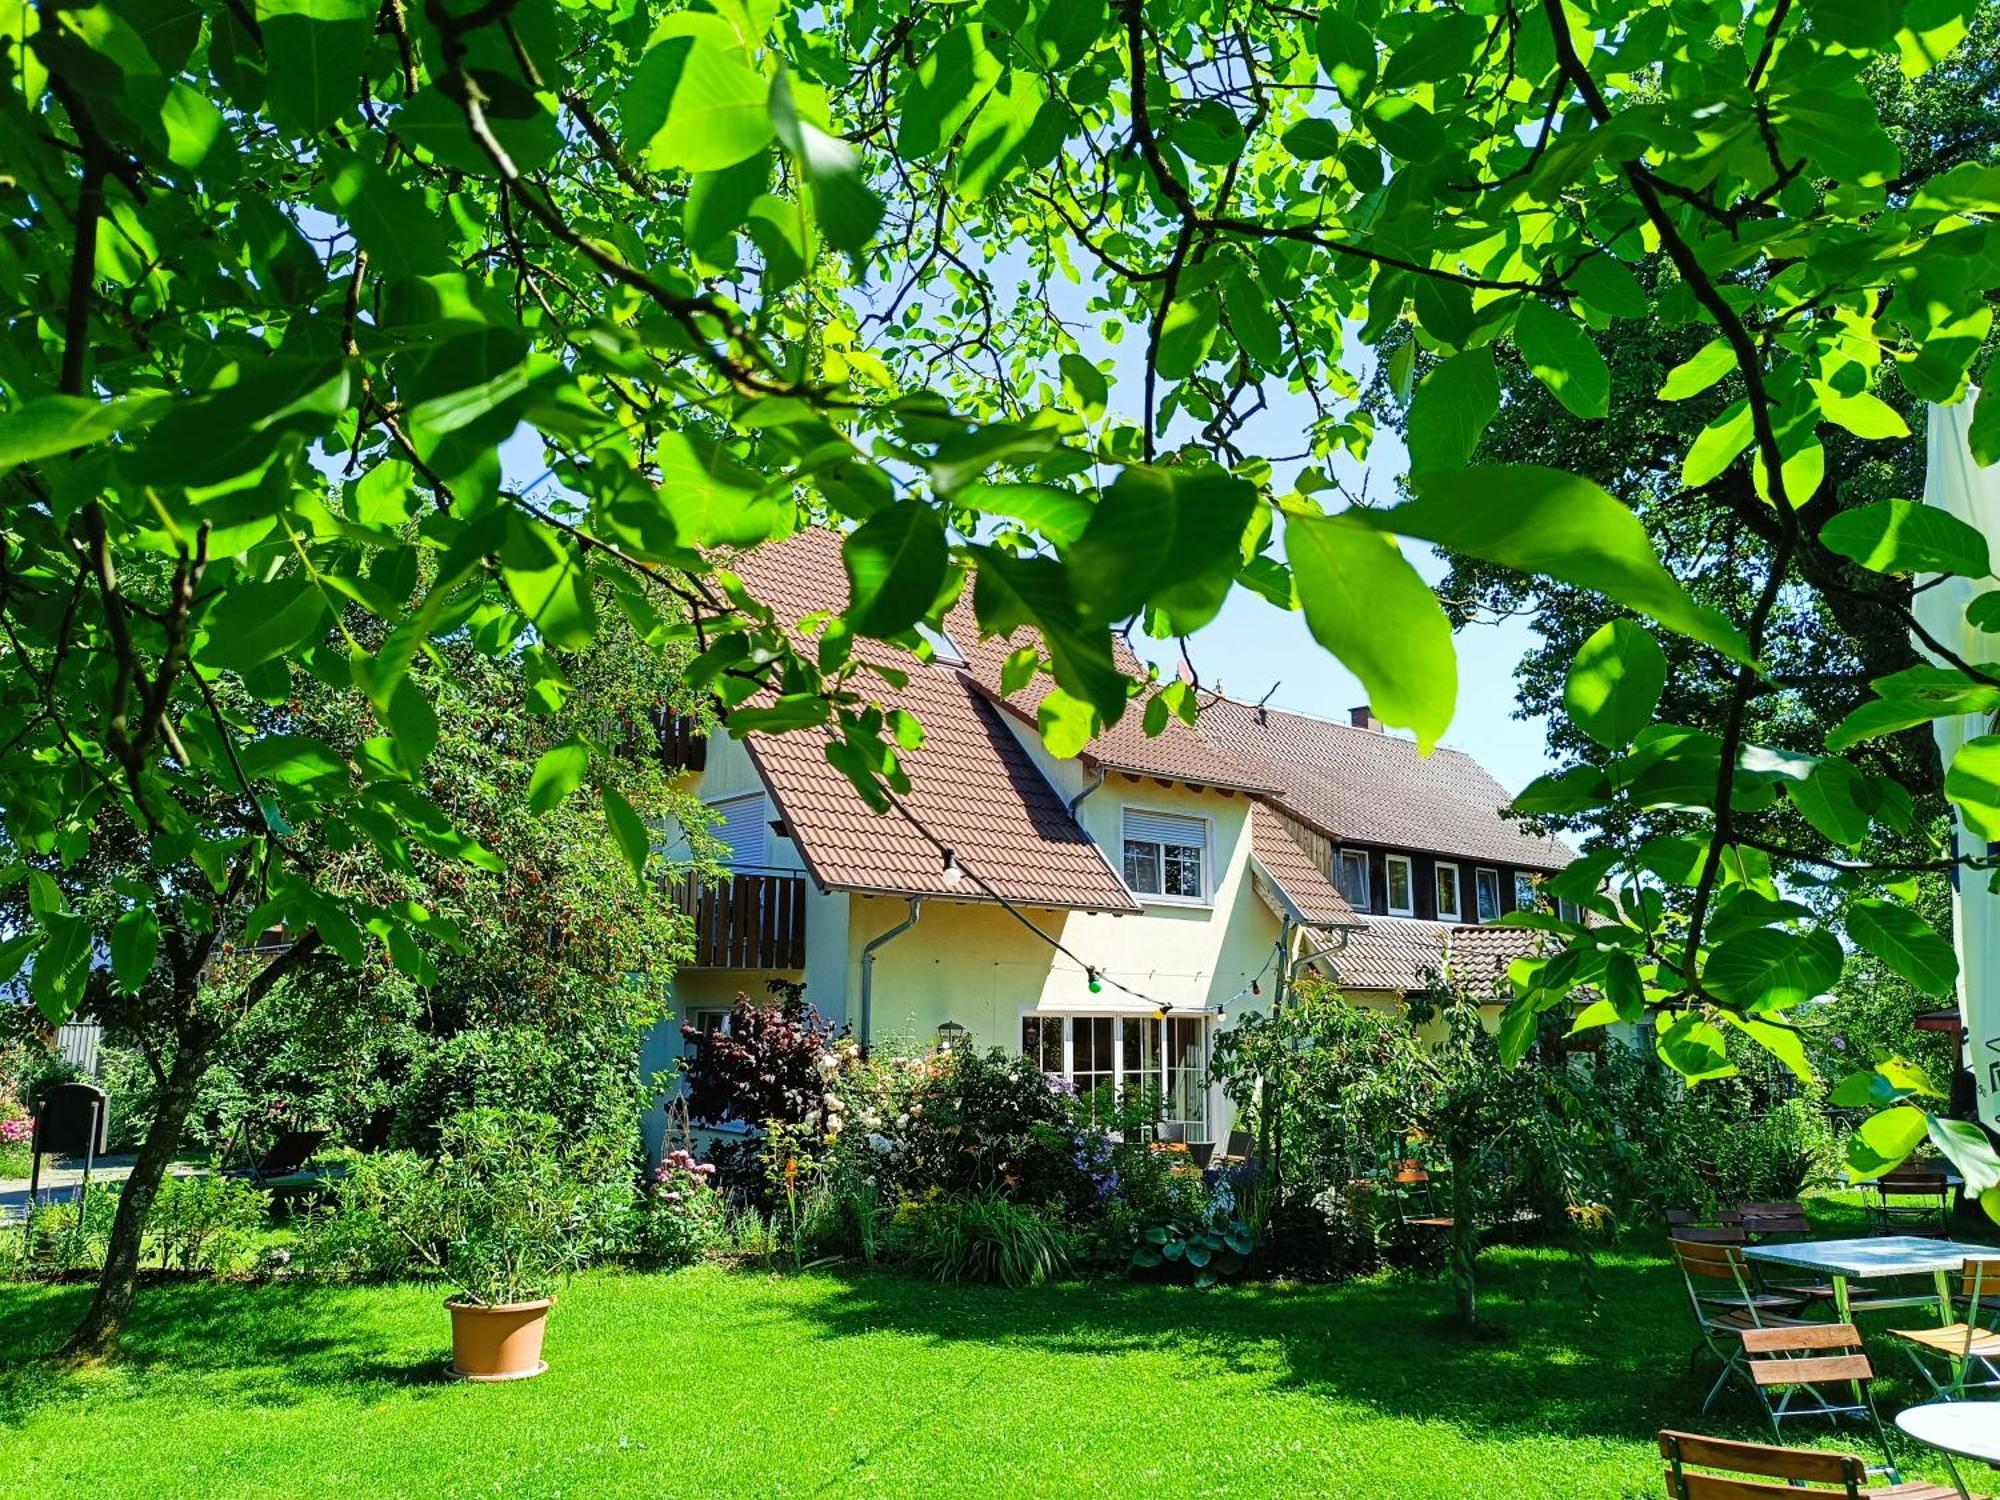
1166,828
744,827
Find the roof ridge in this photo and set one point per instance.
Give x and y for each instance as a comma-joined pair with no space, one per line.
1216,696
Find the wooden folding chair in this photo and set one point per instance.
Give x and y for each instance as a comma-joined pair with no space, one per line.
1413,1190
1723,1311
1783,1220
1791,1368
1798,1473
1963,1344
1910,1200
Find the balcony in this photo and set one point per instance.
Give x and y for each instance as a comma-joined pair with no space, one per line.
678,741
746,920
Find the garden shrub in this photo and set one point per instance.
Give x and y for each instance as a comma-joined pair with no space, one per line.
206,1223
766,1065
505,1210
982,1236
681,1217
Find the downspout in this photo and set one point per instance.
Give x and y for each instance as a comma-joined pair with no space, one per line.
1074,802
868,966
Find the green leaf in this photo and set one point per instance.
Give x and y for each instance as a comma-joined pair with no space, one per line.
1882,1140
694,103
1519,1024
1718,445
1829,799
1694,1048
1564,358
56,424
1864,414
395,225
1905,942
1367,605
1973,782
846,208
1766,969
1902,536
1451,410
1085,384
1186,334
1609,286
549,584
253,623
1067,724
633,840
1696,374
1560,525
895,568
1058,514
1313,139
557,773
1012,592
1347,51
1984,433
319,56
1615,682
1968,1148
1170,539
135,942
62,967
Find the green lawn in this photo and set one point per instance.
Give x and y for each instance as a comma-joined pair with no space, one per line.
719,1383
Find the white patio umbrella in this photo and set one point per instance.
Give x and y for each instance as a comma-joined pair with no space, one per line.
1954,481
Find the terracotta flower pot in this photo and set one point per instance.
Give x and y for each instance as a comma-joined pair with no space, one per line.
498,1343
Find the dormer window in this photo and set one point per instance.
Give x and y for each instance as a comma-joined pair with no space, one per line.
1352,877
1486,891
1450,902
1402,883
943,647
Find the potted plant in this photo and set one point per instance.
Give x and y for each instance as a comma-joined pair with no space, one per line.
502,1214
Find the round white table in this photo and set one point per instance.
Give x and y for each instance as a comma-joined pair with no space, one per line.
1965,1429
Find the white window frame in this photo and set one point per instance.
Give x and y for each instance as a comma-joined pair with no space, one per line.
1527,895
1159,898
1340,857
1569,910
1163,1068
1457,911
1479,873
1389,863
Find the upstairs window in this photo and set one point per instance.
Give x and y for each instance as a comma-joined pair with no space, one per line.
1352,877
745,827
1486,892
1526,895
1166,855
1402,885
1450,902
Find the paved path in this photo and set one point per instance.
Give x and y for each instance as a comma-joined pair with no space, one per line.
63,1179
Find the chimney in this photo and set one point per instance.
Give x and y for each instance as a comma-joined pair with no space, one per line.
1364,718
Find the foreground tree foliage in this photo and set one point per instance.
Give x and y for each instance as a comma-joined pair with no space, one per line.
305,295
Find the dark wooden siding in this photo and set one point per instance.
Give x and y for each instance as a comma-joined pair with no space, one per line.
1424,872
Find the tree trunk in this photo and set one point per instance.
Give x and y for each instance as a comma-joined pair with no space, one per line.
135,1201
1464,1244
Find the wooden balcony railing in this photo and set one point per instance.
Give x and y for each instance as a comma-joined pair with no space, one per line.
678,741
746,920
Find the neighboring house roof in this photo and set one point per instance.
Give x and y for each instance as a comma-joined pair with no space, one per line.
972,783
1177,753
1365,787
1401,954
1301,884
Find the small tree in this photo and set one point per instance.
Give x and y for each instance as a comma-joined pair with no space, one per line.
769,1064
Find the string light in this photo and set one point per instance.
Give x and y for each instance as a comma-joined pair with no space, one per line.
952,873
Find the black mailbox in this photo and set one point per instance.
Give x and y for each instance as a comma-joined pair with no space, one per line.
74,1120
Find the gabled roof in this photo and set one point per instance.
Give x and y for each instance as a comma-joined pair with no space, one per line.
1177,753
1401,954
1302,886
1362,786
972,783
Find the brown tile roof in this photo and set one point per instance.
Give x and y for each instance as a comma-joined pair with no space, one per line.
1178,752
1400,954
1365,787
972,783
1303,884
